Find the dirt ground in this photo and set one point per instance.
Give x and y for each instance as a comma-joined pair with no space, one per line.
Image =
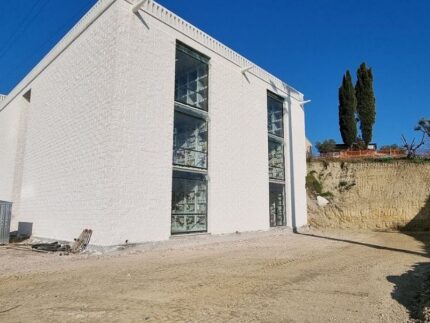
274,276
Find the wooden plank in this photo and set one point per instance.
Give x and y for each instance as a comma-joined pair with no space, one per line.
82,242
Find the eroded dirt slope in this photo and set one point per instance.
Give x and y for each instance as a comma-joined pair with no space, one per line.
371,195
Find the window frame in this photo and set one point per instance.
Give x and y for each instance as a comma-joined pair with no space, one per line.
176,175
184,172
281,144
207,142
281,100
187,50
281,188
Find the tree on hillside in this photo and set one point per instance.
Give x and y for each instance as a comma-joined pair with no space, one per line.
411,148
424,126
366,108
347,108
327,146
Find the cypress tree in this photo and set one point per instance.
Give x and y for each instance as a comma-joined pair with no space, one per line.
347,106
366,108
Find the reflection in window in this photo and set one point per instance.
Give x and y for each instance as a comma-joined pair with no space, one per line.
276,160
190,141
275,116
189,202
191,78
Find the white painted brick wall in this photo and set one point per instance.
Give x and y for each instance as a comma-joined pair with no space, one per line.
98,147
297,164
68,165
9,133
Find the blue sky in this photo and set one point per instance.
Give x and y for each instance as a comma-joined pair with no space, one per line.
307,43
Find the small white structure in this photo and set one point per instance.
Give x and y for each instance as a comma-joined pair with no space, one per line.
138,125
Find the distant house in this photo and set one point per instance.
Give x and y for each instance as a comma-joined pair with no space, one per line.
342,147
372,147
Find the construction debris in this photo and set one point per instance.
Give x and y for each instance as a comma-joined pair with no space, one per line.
54,246
78,246
82,242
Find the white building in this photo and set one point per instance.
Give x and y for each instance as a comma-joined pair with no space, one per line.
87,137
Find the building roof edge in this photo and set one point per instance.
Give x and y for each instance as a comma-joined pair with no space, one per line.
169,18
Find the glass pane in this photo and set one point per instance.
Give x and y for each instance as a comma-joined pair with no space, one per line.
191,78
277,210
188,202
276,160
275,124
190,141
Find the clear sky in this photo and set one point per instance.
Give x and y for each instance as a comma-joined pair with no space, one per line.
307,43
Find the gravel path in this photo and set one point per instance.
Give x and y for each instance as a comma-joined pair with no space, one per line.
274,276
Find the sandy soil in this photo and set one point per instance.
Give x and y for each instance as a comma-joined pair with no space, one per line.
274,276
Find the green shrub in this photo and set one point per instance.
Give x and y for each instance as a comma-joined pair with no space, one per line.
312,184
327,146
343,183
327,194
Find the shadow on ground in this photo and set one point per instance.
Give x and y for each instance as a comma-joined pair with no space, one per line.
412,289
369,245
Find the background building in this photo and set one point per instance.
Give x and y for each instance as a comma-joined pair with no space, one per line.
88,135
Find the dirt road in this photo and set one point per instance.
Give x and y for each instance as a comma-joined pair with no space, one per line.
274,276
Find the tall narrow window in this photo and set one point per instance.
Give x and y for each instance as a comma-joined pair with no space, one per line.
190,142
275,130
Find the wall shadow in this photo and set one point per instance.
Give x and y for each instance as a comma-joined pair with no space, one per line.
369,245
138,15
412,288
